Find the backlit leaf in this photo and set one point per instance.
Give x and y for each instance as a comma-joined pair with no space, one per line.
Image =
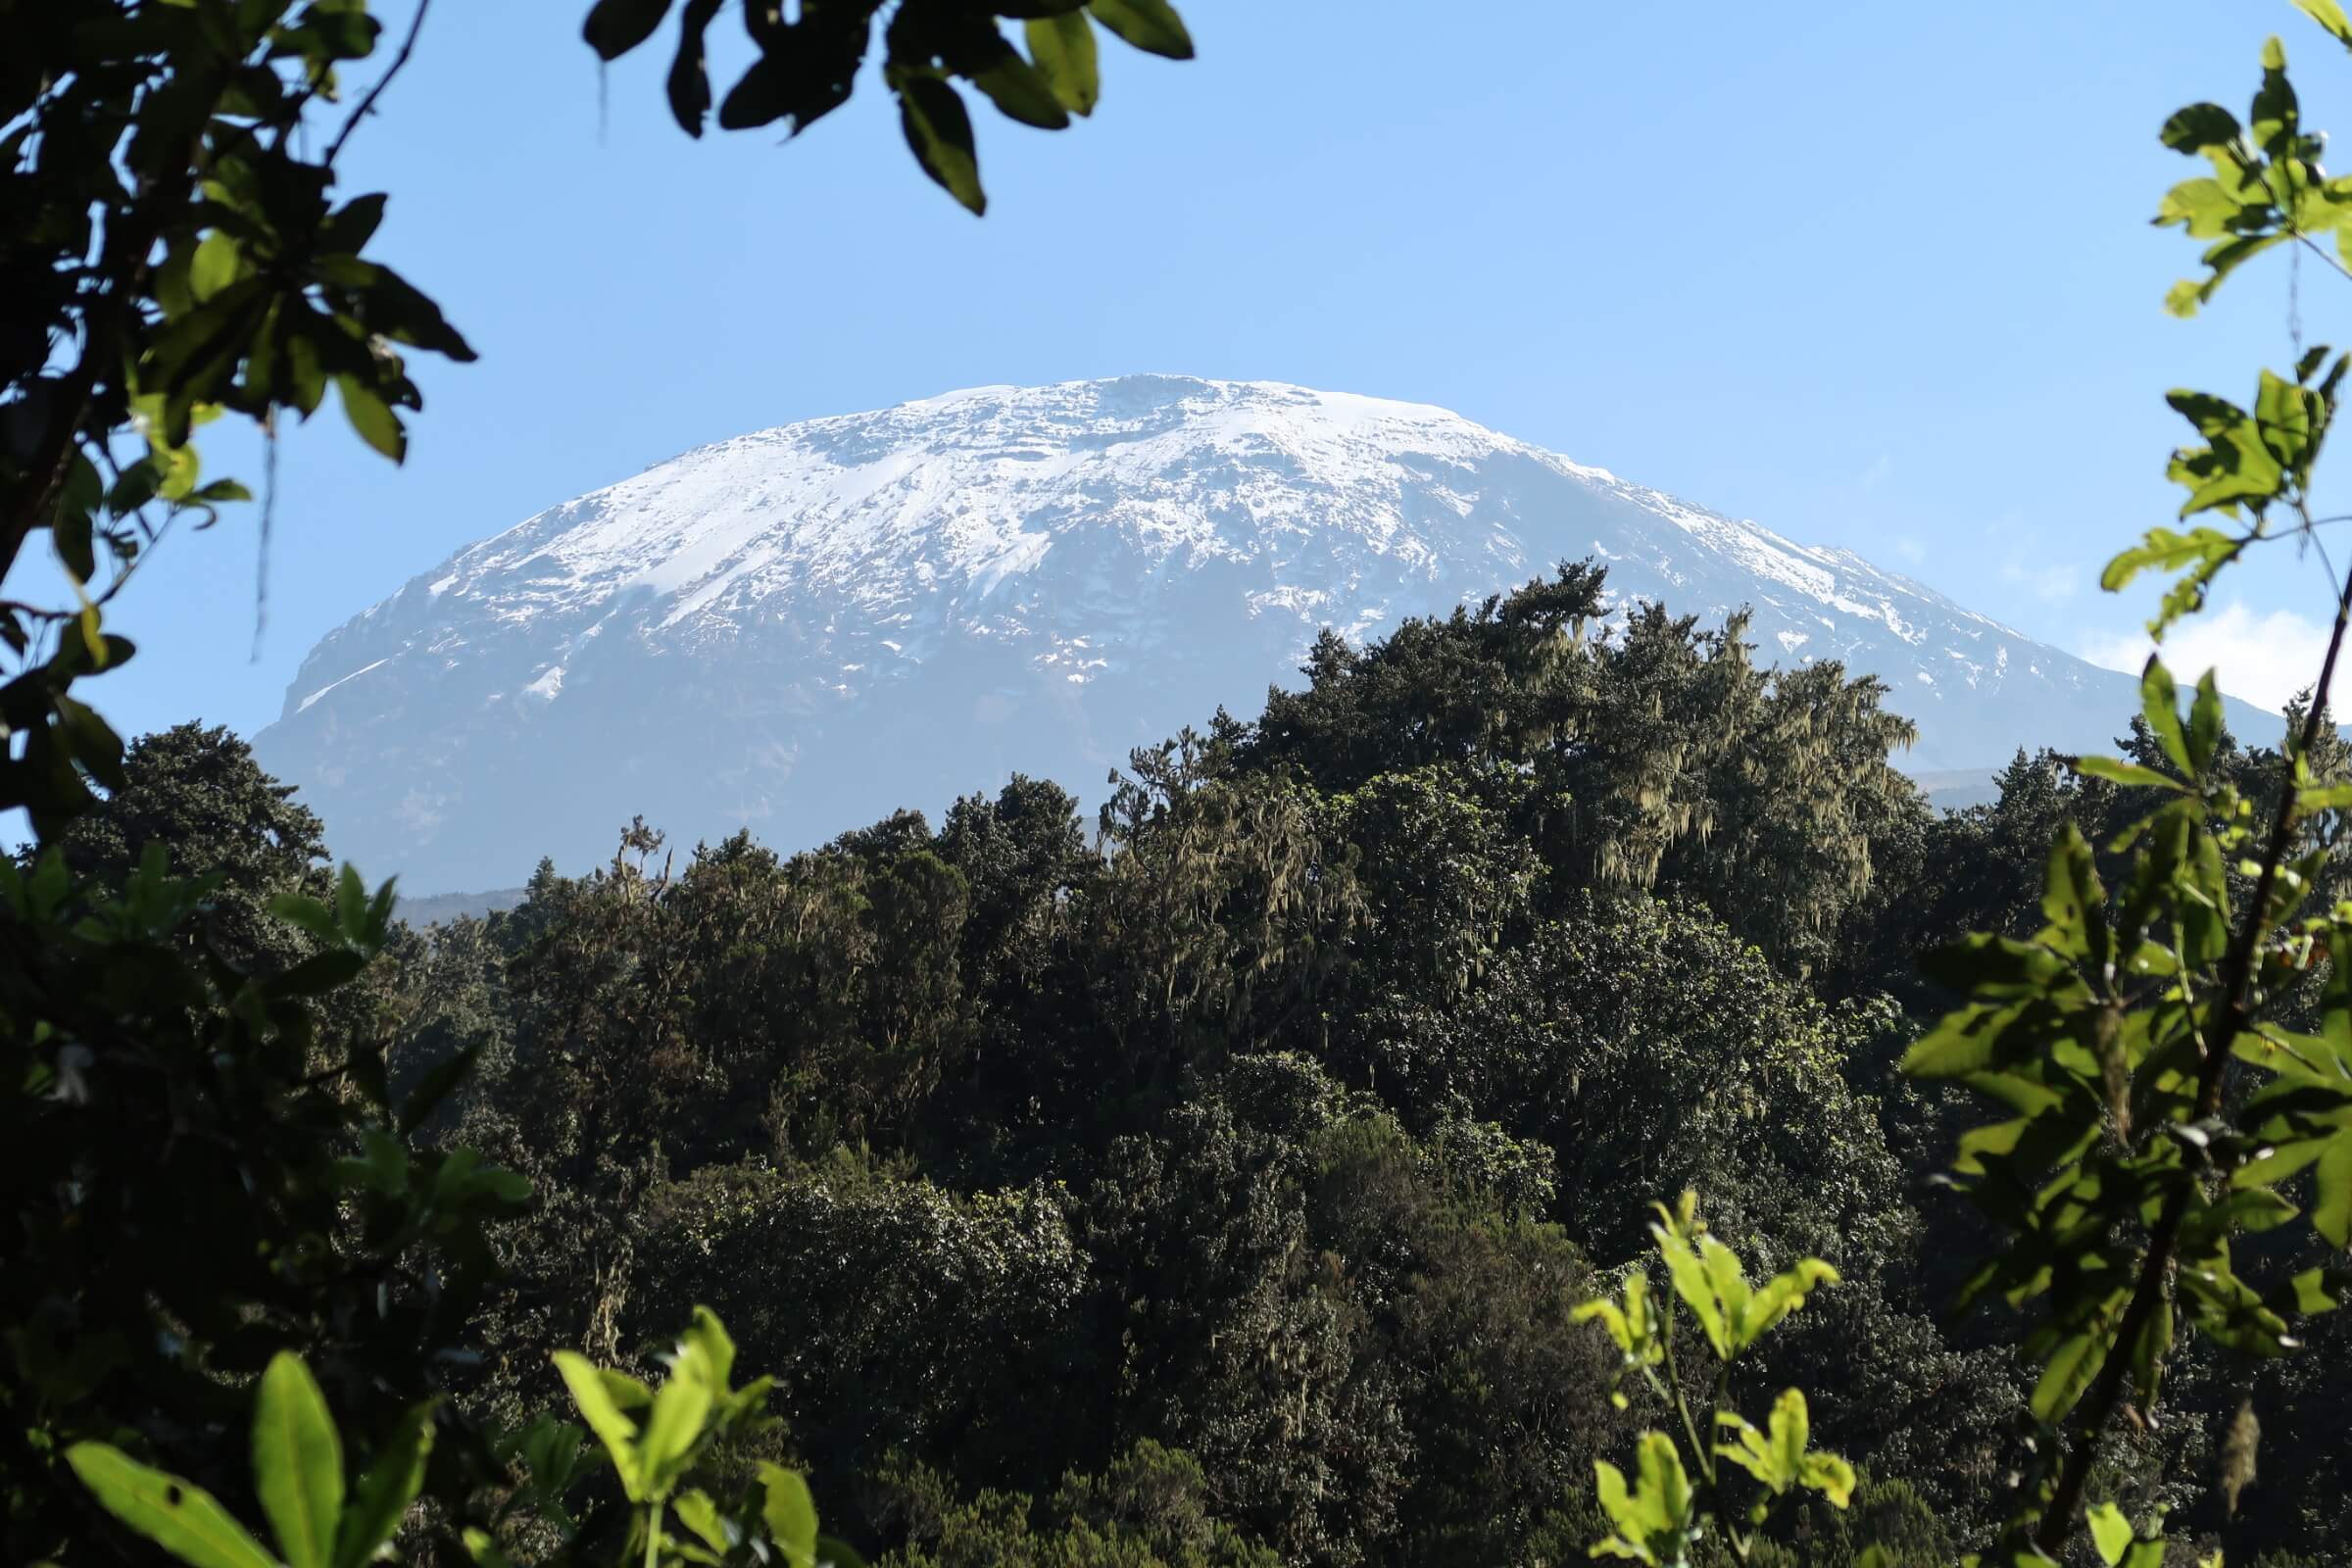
1151,25
2070,1371
2116,771
2110,1532
790,1512
182,1519
604,1416
297,1463
2329,15
1064,50
372,417
382,1500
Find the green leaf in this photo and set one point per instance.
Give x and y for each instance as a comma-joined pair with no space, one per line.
351,902
2204,208
93,641
940,131
2110,1532
2160,705
214,267
317,974
2275,115
1830,1476
307,913
2331,1181
485,1550
835,1553
700,1514
791,1514
2205,723
2117,772
1698,1292
182,1519
2199,126
1064,50
616,27
1730,1284
1151,25
1630,1327
391,1484
1020,92
372,418
1967,1040
604,1416
626,1390
1782,1295
708,1337
436,1086
2327,13
681,1407
2323,798
2074,903
70,533
1653,1518
92,741
297,1463
1997,966
2235,467
1776,1459
2076,1361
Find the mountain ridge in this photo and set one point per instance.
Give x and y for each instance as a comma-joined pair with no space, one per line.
802,628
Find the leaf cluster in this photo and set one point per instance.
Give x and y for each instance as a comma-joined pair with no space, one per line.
808,65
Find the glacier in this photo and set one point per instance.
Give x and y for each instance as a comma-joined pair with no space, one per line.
800,629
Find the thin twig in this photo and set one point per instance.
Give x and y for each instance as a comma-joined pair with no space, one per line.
2314,247
408,46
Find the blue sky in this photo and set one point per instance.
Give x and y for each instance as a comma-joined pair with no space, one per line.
1876,276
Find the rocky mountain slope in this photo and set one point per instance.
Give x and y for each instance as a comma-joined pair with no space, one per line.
802,628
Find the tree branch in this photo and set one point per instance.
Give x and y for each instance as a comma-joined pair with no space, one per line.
2164,1239
367,104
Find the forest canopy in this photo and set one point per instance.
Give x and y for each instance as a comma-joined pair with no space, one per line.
1218,1179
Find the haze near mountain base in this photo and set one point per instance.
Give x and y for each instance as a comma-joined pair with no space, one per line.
801,629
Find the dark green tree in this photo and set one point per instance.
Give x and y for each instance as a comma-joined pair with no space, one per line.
199,792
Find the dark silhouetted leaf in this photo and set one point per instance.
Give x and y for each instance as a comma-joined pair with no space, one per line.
689,84
616,27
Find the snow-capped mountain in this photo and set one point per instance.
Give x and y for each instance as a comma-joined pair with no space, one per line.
804,628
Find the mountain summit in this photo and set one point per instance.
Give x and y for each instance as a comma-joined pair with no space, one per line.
803,628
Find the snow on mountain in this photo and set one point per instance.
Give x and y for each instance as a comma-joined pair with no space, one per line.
803,628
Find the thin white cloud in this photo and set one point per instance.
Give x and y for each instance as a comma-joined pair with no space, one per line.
2262,658
2051,584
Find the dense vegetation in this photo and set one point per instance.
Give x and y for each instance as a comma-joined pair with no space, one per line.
1222,1180
1254,1178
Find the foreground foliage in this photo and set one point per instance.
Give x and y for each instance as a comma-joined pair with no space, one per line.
211,1181
1256,1179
